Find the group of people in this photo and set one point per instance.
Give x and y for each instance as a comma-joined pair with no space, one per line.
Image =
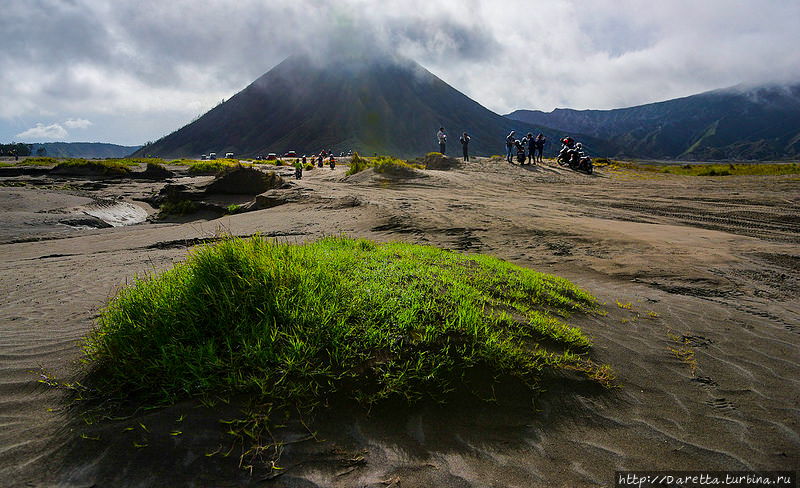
528,149
299,164
441,137
534,146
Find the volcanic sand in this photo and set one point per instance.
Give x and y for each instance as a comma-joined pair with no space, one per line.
698,278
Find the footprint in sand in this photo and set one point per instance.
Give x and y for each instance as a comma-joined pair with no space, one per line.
721,404
705,381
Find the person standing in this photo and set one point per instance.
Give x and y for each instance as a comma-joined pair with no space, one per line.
298,170
464,139
510,147
441,136
539,143
528,142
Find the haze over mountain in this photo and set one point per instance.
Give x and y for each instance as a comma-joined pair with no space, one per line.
367,103
756,123
82,149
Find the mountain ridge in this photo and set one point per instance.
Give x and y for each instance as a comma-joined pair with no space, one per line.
748,123
89,150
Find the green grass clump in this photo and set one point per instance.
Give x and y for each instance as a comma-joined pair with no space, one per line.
38,161
182,162
138,161
293,325
184,207
381,164
233,209
117,162
211,167
358,164
388,164
105,167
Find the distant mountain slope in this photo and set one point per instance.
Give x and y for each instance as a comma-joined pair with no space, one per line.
758,123
89,150
368,105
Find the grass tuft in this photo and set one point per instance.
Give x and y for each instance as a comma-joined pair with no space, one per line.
381,164
294,325
38,161
358,164
233,209
105,167
181,208
389,164
212,166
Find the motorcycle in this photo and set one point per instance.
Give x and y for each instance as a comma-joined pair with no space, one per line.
332,163
520,152
583,163
565,154
572,155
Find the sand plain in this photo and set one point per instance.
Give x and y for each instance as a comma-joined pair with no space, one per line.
699,277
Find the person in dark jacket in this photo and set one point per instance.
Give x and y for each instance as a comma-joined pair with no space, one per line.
539,144
464,139
510,147
528,141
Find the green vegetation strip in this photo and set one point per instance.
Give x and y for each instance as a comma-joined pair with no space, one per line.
118,165
108,166
704,169
181,208
292,325
764,169
212,166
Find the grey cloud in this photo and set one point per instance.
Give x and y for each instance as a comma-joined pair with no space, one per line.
77,59
52,32
444,39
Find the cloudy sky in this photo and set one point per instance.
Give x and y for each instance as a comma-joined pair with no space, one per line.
131,71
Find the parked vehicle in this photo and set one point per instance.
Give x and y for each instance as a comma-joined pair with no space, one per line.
272,157
520,151
572,155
